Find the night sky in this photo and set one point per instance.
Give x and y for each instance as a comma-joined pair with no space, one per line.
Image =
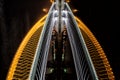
18,16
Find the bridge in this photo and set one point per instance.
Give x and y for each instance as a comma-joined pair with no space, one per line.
60,47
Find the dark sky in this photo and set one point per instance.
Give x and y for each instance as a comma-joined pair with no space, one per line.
101,17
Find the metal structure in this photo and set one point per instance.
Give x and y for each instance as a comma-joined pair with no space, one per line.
61,49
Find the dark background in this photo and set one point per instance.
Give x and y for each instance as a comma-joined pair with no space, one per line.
18,16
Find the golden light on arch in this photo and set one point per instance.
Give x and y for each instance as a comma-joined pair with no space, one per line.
41,23
18,54
51,1
67,1
98,47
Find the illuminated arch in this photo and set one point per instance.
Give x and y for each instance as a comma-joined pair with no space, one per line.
97,54
23,58
22,54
